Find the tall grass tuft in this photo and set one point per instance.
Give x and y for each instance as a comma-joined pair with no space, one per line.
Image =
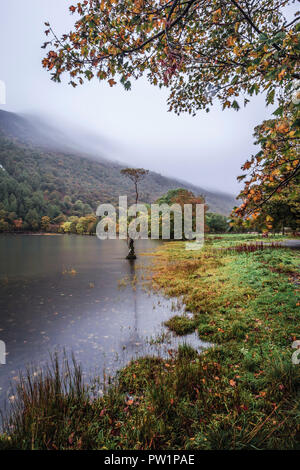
43,400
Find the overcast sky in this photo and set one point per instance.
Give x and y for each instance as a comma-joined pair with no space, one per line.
207,150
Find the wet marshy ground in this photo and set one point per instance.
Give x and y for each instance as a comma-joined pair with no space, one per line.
78,294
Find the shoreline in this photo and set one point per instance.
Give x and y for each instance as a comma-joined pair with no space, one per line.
208,235
240,394
47,234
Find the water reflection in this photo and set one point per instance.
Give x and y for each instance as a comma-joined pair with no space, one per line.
61,292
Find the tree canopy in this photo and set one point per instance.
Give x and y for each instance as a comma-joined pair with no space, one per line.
204,51
136,175
201,49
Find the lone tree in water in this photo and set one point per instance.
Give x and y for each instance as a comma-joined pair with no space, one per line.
136,175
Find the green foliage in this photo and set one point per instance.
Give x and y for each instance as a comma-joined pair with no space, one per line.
217,223
181,325
179,197
278,213
171,195
201,51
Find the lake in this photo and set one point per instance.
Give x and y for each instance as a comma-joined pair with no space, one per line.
78,294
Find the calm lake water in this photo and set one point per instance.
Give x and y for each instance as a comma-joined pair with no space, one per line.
97,311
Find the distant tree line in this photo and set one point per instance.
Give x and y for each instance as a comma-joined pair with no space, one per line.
29,203
47,192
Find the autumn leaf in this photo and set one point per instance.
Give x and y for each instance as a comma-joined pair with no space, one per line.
230,41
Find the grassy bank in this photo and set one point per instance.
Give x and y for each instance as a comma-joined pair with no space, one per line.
243,393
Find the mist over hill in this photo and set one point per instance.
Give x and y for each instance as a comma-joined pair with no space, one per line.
36,131
45,171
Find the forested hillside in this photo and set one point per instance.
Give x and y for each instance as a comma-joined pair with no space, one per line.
36,182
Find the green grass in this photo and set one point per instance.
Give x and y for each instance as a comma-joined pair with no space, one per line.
244,393
181,325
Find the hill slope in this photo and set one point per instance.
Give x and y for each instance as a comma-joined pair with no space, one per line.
37,178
